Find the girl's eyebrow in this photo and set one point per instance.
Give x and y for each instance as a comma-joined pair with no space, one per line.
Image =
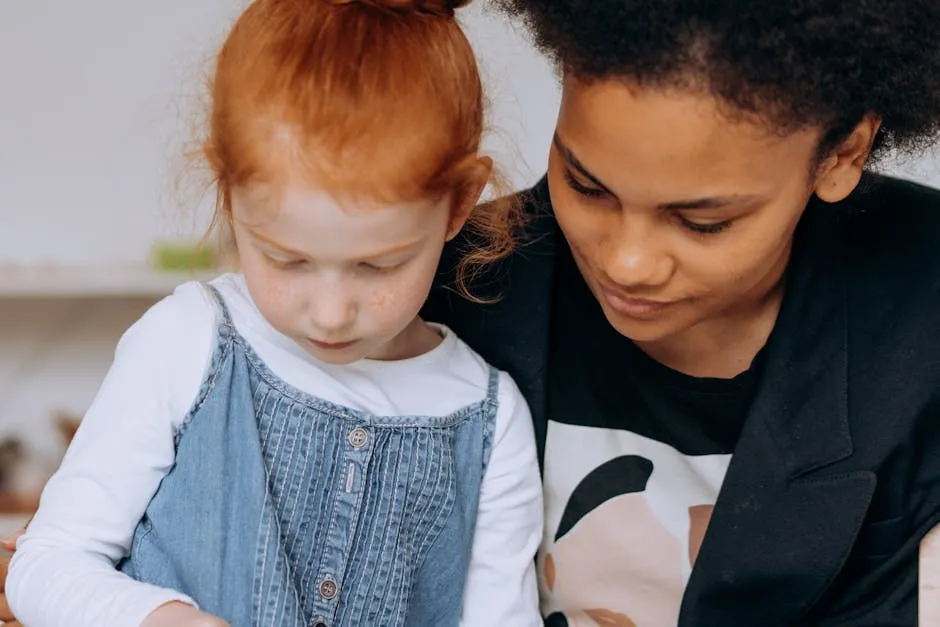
388,252
264,239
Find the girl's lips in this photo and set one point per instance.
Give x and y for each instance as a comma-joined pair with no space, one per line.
332,346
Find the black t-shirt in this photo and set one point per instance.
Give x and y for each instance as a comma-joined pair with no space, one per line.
617,416
603,375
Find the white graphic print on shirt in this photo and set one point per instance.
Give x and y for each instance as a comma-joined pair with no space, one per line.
625,516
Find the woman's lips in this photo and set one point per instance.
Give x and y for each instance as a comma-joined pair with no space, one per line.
637,308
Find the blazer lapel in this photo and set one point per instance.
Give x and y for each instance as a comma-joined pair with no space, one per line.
785,520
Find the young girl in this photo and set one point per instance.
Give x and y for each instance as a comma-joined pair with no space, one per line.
293,445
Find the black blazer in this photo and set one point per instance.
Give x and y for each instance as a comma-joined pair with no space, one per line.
836,476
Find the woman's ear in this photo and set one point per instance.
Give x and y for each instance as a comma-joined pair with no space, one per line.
841,171
468,195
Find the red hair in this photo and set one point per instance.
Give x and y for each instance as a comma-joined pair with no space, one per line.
381,98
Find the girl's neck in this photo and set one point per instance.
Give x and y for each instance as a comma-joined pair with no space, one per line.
416,339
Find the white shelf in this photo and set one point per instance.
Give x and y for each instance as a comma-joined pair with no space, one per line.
105,281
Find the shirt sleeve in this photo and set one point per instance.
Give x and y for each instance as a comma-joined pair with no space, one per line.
63,572
501,585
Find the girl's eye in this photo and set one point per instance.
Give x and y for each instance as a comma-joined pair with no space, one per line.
287,264
705,229
581,188
376,269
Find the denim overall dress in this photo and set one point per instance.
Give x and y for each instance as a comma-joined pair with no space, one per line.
285,510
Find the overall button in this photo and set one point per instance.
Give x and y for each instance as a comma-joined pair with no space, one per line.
328,589
319,623
358,437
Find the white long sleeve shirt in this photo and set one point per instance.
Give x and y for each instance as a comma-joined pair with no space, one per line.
63,572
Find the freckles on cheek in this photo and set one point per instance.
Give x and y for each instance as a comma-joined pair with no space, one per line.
381,299
274,290
270,292
394,304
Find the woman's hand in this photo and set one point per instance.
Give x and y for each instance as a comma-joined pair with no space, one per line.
928,581
178,614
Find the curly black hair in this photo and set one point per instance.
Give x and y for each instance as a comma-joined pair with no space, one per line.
793,63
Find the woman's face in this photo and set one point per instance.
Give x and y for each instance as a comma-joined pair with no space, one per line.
677,215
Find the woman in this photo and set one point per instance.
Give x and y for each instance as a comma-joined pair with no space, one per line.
720,321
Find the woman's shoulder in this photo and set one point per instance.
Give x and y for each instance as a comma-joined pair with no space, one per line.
892,238
894,218
877,190
533,254
888,260
503,294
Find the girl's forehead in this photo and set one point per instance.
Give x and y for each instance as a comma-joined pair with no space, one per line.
299,199
307,219
374,166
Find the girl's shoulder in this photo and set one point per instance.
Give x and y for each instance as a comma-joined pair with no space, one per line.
470,365
173,340
181,321
189,310
194,308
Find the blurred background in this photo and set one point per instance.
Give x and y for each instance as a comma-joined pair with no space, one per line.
98,103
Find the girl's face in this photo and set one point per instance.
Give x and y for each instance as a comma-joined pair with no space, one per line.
678,216
345,280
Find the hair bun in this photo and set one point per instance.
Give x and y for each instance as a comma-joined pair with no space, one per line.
433,7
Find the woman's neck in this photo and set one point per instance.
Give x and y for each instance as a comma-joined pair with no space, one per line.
721,347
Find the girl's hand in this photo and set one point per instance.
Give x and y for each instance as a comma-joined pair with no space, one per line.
178,614
6,616
173,614
9,542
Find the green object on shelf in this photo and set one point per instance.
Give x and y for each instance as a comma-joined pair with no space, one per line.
181,257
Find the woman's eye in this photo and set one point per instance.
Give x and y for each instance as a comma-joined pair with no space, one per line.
581,188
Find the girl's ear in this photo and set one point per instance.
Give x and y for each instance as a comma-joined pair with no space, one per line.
469,194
